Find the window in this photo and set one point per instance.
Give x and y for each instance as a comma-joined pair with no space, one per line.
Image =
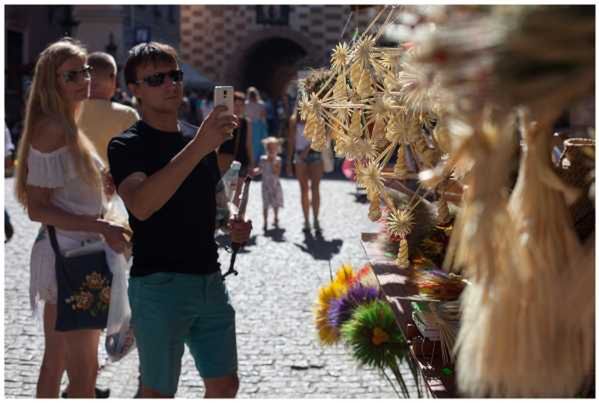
171,14
272,15
142,34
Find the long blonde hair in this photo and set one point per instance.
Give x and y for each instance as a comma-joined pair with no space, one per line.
46,101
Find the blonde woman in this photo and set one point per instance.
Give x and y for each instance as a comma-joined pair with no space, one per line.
308,169
59,182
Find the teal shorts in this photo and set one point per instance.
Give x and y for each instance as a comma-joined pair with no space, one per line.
169,310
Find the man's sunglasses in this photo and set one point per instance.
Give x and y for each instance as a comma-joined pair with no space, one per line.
75,75
156,80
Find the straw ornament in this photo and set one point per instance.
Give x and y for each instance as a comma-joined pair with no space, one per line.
400,222
402,261
358,149
527,325
378,130
363,52
415,87
355,73
378,115
447,334
340,57
369,176
396,129
340,91
538,354
400,169
374,211
365,86
355,128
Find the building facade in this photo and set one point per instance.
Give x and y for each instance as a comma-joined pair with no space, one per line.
108,28
27,31
264,45
116,29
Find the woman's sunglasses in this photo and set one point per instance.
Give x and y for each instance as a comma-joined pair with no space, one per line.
75,75
156,80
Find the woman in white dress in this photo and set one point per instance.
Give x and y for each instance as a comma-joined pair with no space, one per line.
59,182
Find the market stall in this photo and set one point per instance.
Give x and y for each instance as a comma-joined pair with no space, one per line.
486,245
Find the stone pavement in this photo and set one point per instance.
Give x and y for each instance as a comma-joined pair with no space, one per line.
279,275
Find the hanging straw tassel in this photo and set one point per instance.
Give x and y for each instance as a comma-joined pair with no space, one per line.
517,339
378,131
340,88
374,211
365,85
355,128
580,298
403,261
400,169
355,73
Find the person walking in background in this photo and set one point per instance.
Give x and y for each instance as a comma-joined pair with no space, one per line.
256,113
9,164
195,112
206,104
308,169
100,118
269,107
270,168
59,182
239,148
166,172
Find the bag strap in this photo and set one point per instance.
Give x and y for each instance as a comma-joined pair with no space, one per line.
54,242
60,258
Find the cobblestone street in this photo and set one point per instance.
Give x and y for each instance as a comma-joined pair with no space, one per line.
279,274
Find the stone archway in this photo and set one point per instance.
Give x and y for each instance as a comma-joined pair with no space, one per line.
269,60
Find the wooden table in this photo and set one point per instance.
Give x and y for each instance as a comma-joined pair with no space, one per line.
438,377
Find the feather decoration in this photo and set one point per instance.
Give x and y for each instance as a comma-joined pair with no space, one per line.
327,334
342,308
376,341
344,276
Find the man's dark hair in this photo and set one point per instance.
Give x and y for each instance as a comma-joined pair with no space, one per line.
150,52
238,96
103,62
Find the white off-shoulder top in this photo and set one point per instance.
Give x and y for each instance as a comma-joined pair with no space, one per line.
56,170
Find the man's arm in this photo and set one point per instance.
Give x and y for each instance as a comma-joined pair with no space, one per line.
145,195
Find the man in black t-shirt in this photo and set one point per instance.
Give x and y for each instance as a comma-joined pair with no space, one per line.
166,172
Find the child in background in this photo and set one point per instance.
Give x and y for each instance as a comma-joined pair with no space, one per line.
270,168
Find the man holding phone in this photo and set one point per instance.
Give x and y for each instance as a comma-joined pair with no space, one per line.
166,172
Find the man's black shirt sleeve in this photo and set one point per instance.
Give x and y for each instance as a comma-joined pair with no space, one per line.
125,156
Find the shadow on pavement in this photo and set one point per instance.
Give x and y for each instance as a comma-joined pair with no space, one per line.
317,246
360,197
224,243
276,234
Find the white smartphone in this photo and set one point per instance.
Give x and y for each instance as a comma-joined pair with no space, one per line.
223,95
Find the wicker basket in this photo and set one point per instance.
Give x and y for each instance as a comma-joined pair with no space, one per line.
575,167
